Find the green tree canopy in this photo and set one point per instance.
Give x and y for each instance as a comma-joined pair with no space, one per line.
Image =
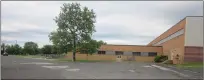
55,50
13,49
9,49
46,49
90,47
59,45
31,48
75,25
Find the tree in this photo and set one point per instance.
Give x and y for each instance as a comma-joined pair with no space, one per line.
60,46
30,48
39,50
47,49
101,42
13,49
90,47
55,50
75,25
9,49
18,49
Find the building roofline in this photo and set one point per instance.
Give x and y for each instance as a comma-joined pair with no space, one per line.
173,26
169,29
194,16
131,45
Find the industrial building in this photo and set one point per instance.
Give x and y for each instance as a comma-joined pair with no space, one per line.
183,42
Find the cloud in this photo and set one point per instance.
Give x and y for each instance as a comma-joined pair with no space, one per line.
118,22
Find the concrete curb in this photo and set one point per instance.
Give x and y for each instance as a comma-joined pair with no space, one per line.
168,69
173,67
191,74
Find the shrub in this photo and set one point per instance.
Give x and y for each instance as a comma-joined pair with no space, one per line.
163,58
160,58
156,59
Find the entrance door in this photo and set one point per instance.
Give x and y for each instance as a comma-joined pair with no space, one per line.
172,55
133,58
118,58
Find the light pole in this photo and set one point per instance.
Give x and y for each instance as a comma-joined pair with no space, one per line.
3,46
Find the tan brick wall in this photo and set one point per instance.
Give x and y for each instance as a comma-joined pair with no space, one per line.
144,59
92,57
109,57
131,48
176,44
180,25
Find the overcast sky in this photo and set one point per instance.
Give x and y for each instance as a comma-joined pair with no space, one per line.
118,22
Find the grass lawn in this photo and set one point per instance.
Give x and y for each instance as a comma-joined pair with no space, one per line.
191,65
30,56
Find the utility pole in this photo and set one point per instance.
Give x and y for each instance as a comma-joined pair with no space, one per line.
2,47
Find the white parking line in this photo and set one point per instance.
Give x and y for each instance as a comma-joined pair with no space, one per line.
131,70
37,58
37,63
148,66
50,59
55,67
162,68
72,70
179,73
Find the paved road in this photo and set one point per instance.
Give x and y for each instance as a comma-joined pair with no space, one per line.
25,68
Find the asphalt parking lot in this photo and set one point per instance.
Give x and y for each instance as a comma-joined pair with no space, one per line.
25,68
116,70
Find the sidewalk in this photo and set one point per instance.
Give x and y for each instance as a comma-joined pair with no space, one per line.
192,73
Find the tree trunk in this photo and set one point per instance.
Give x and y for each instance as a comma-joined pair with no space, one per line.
86,56
74,51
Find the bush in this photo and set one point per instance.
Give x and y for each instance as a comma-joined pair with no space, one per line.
156,59
160,58
163,58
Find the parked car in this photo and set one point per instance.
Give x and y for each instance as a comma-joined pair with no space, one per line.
5,54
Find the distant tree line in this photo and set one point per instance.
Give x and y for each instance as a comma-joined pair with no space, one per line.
31,48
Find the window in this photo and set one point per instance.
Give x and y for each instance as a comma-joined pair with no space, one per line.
102,52
144,53
118,53
152,53
136,53
174,35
